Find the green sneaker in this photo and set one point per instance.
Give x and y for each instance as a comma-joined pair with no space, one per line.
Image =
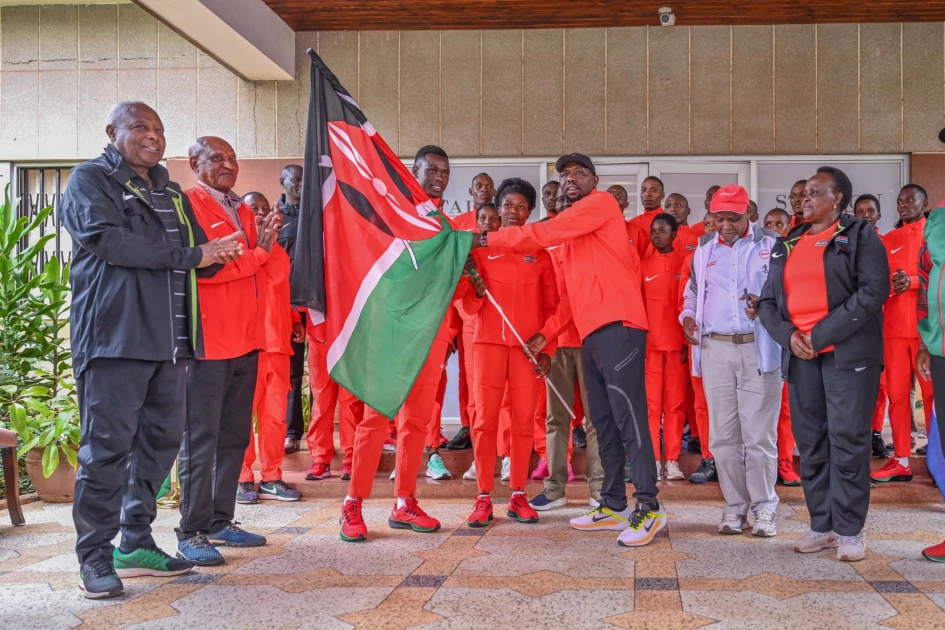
436,469
150,561
278,490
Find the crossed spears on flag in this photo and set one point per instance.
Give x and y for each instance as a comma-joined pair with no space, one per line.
531,356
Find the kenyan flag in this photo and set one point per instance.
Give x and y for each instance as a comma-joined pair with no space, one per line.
374,258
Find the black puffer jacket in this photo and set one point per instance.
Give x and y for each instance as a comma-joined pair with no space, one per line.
122,263
856,273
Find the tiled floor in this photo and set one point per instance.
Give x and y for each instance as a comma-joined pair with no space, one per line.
510,576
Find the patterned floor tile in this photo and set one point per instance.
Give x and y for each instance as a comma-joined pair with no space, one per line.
514,555
837,611
27,606
501,608
777,586
915,611
721,557
540,583
905,558
658,609
403,608
394,555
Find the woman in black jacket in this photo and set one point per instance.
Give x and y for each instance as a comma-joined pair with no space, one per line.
823,303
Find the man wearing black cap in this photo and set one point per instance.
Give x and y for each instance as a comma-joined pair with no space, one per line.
602,274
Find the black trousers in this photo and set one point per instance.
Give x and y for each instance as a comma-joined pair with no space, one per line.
613,358
938,391
217,431
132,415
831,418
295,423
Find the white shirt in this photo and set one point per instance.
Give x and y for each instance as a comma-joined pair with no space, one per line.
726,279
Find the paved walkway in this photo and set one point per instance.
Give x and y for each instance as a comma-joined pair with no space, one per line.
510,576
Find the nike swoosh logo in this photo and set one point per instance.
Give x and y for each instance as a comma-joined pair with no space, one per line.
778,255
597,519
555,247
896,250
653,278
859,369
494,257
217,223
126,197
652,523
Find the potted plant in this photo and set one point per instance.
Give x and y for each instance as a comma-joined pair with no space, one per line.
37,395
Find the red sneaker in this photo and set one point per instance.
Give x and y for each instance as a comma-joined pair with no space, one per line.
936,553
318,471
390,442
482,513
412,517
786,474
443,441
892,471
346,471
353,528
520,510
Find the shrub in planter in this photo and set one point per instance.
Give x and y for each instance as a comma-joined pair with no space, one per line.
37,391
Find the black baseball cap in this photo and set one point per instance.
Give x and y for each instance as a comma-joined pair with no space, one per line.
575,157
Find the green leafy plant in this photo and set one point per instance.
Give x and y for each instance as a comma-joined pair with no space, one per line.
37,390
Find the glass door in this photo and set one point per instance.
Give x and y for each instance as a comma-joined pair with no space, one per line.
693,179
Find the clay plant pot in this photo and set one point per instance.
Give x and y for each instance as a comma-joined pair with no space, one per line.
60,486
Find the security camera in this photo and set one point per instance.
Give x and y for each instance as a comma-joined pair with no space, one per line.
667,17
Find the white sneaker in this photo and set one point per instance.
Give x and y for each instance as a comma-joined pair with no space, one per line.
645,523
733,524
852,548
392,473
470,475
764,524
603,518
594,501
659,471
673,473
506,469
812,542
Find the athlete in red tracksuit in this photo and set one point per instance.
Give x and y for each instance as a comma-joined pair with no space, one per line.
272,377
326,395
779,221
901,333
431,168
666,351
523,284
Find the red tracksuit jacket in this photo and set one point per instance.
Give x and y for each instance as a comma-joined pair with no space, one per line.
662,274
232,302
523,284
902,247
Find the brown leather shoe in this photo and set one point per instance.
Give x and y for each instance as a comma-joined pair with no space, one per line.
291,445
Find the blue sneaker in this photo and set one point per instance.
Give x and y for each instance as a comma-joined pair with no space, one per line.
233,536
246,493
548,500
199,551
278,490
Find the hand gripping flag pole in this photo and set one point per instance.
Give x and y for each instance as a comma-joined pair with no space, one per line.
528,353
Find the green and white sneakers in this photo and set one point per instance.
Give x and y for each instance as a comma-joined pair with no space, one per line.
149,561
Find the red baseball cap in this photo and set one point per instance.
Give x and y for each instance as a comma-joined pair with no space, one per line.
730,199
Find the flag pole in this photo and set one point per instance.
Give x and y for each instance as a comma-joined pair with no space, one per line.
528,353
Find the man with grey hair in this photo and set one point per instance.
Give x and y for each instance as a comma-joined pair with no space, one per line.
136,330
219,420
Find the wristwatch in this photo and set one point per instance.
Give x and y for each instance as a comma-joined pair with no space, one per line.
484,239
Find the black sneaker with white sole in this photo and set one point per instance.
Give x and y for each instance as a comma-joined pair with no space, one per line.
99,579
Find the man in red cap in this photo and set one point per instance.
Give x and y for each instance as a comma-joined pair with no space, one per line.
737,360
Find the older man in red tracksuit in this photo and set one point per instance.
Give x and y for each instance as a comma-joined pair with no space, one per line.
272,379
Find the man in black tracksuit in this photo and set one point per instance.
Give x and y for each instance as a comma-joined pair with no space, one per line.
832,394
135,331
291,181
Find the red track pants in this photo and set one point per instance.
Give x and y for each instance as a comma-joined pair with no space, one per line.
666,400
496,366
269,403
326,393
413,422
785,436
900,374
702,414
879,413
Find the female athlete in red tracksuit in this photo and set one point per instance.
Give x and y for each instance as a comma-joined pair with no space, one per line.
666,351
524,286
